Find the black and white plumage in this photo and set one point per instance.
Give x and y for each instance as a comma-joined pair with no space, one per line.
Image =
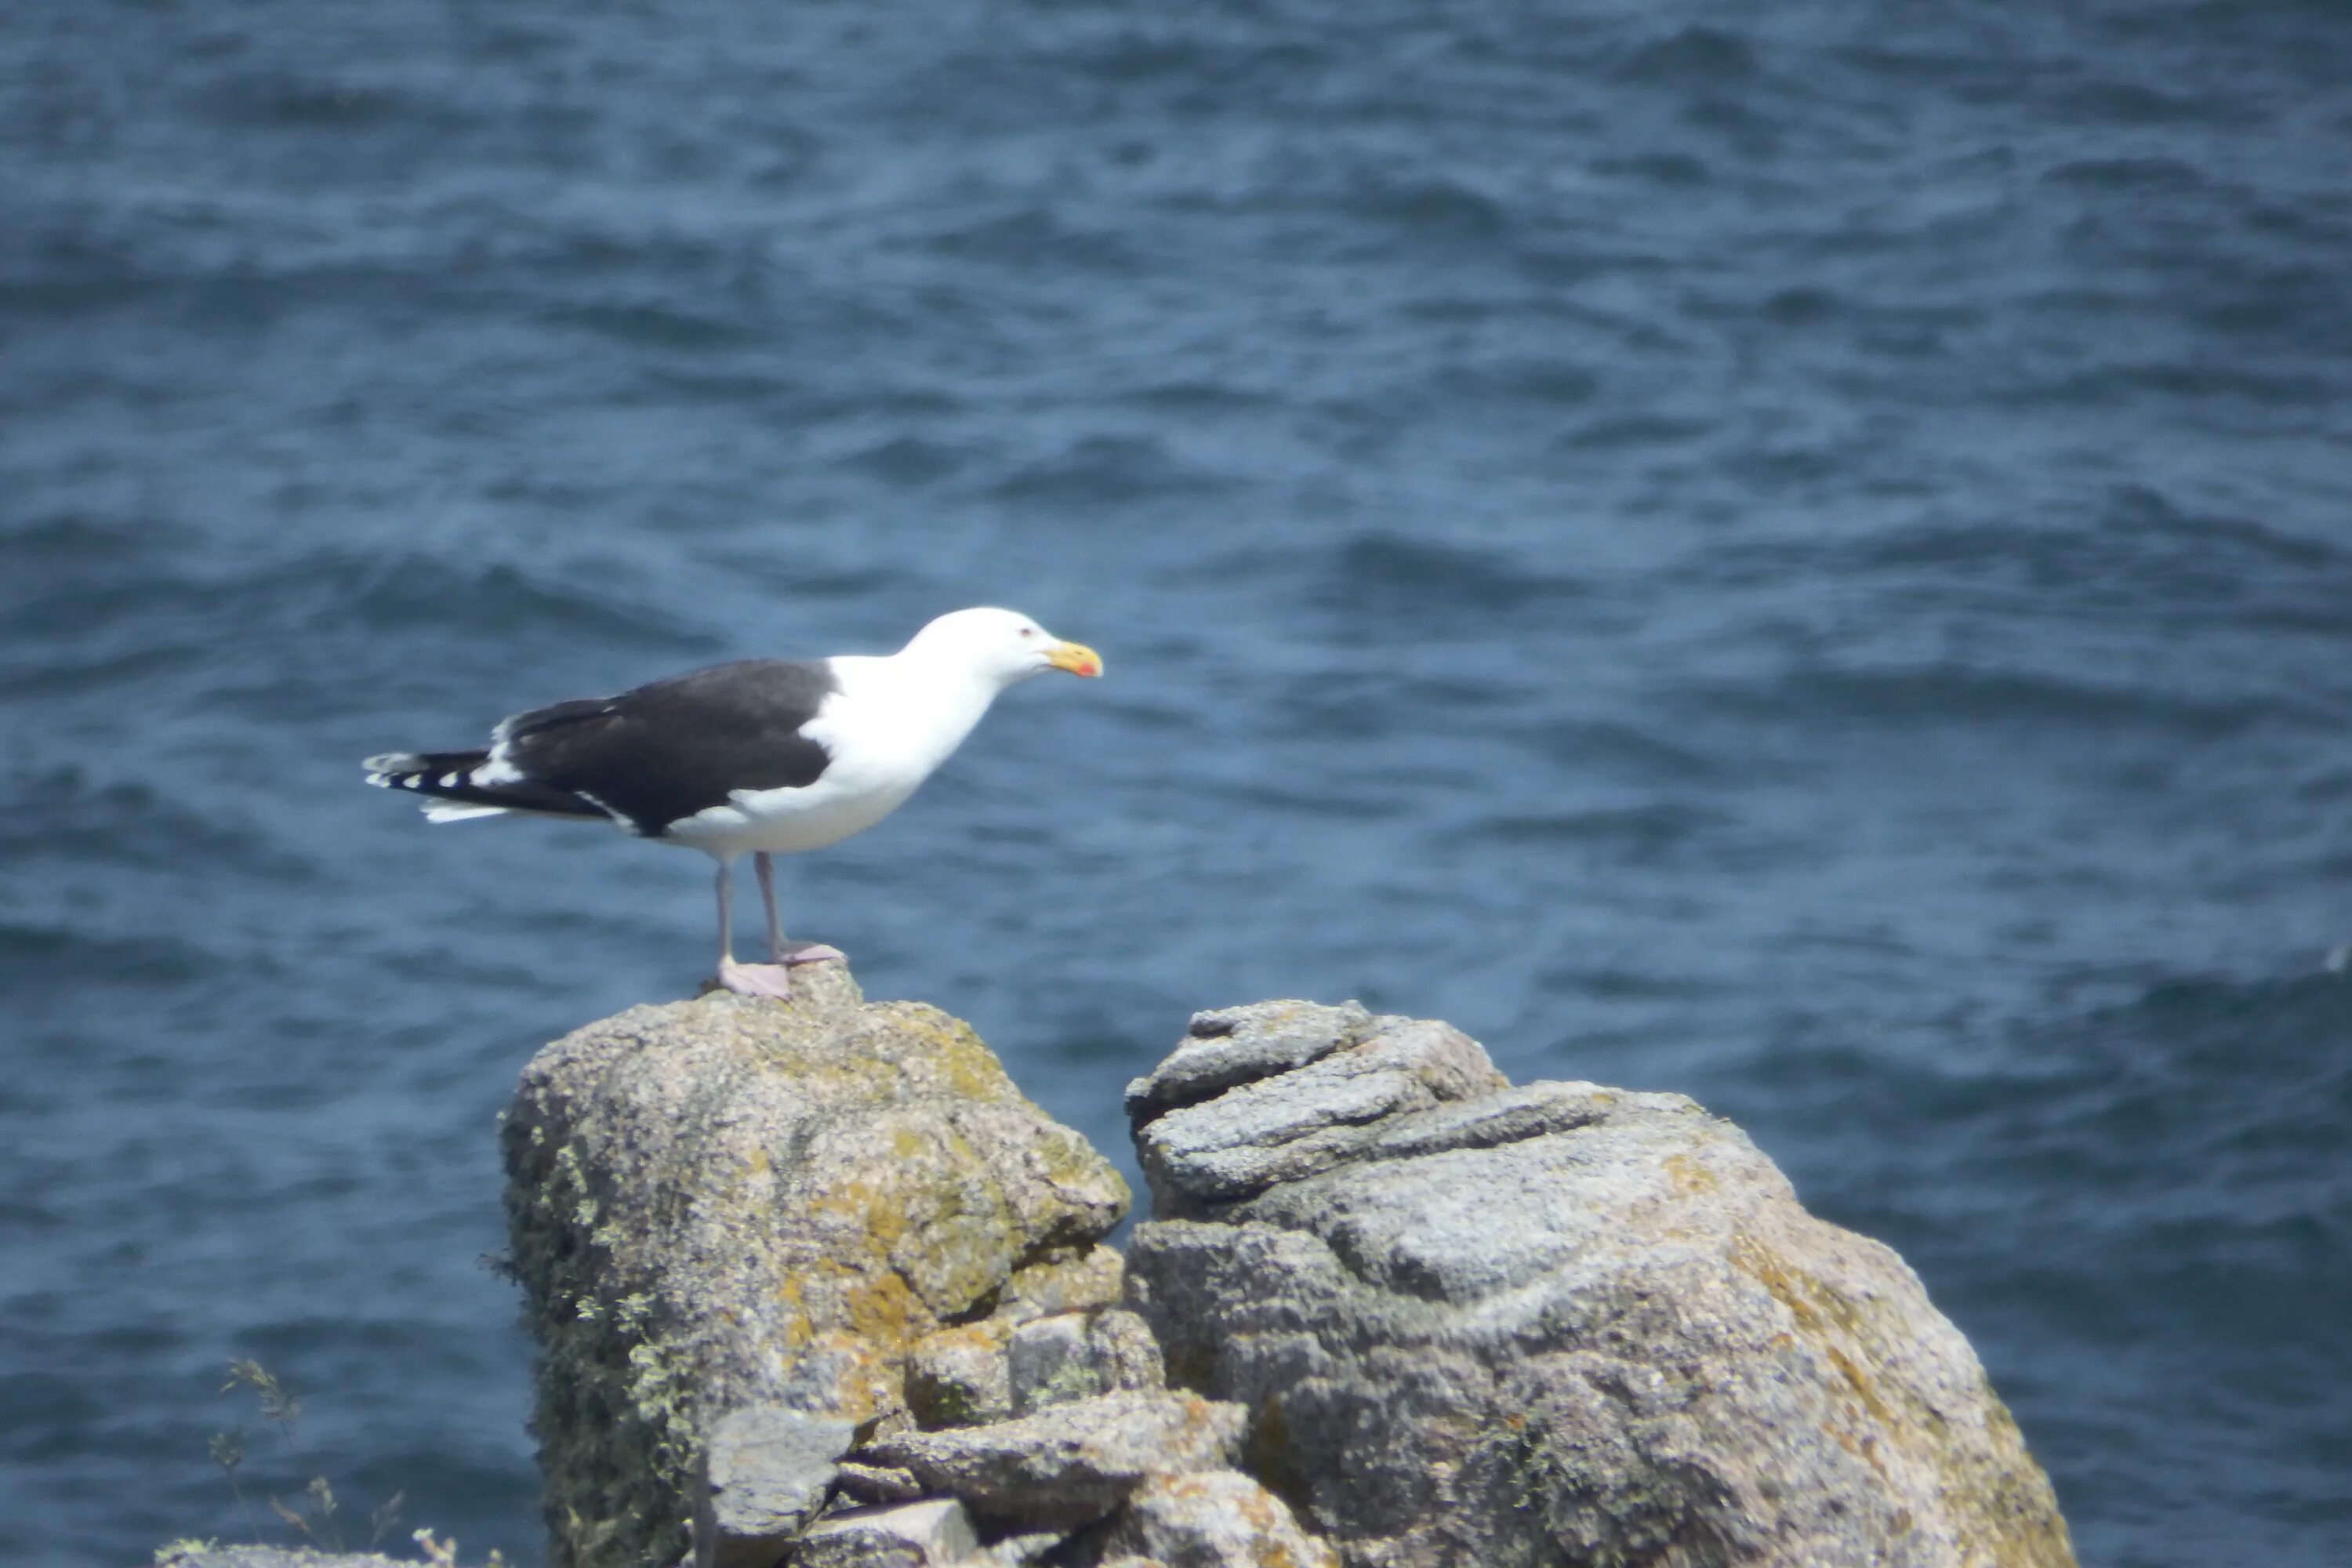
759,757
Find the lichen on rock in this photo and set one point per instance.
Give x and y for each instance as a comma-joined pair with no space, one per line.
731,1201
1437,1320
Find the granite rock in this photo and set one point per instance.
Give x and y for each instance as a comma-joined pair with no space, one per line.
1219,1519
1228,1046
736,1201
1201,1153
1073,1281
1051,1362
1069,1464
875,1484
1126,1357
765,1470
1557,1323
912,1535
961,1376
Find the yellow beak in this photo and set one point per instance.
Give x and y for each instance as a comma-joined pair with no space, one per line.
1075,656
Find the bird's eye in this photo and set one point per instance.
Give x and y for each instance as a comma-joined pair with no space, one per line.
1028,631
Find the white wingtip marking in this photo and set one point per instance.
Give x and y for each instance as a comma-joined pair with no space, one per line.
497,770
458,810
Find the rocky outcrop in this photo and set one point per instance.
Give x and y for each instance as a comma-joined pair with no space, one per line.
1475,1324
729,1203
814,1275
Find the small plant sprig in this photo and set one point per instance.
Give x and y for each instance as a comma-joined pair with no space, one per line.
314,1516
442,1553
277,1402
228,1453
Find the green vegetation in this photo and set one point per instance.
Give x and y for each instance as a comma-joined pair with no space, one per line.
316,1516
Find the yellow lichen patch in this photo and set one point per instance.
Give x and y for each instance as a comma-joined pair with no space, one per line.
1689,1177
797,1328
858,1390
1811,1302
882,1310
867,1208
1852,1373
1996,1497
951,1050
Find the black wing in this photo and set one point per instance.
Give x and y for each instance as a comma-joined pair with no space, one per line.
664,751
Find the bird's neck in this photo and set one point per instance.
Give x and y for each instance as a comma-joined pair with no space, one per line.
937,700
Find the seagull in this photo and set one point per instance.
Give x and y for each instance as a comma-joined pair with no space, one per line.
763,756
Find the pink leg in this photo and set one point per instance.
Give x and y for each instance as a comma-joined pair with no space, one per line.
744,979
779,950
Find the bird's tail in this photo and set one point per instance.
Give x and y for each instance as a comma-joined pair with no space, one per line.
457,785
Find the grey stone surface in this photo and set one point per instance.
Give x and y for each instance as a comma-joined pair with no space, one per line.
1201,1155
875,1484
1051,1362
930,1534
733,1201
1240,1044
765,1469
1066,1282
1069,1464
1218,1519
961,1376
1561,1323
1125,1355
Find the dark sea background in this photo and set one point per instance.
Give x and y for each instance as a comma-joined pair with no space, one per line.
1802,556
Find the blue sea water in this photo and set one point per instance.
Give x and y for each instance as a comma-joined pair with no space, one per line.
1802,556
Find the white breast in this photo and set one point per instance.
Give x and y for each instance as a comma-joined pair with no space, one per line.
888,727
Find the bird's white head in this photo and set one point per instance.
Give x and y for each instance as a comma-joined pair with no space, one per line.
1003,646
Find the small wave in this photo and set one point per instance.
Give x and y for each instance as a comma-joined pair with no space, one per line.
1634,834
497,601
2186,380
1613,431
1098,470
271,100
1674,171
1523,379
58,960
1696,56
1945,693
2168,175
1623,750
909,461
65,814
2139,103
1387,581
1431,209
1037,235
660,326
